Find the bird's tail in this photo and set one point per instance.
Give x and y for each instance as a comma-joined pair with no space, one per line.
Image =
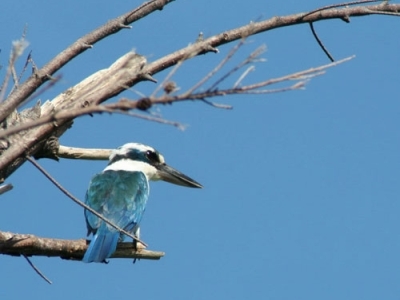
102,246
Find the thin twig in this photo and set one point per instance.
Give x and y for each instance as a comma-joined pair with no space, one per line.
194,52
248,60
217,105
217,68
125,104
296,86
28,59
302,75
170,74
120,107
5,188
339,5
320,42
80,45
155,119
14,76
80,203
244,74
18,48
37,270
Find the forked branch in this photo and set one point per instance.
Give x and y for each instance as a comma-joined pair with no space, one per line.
124,104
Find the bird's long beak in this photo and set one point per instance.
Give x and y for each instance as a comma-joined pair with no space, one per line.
171,175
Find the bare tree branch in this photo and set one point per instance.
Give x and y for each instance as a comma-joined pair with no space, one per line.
17,50
98,87
125,104
27,134
15,155
30,245
82,153
253,28
79,46
5,188
341,5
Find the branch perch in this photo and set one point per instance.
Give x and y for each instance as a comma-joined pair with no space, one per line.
30,245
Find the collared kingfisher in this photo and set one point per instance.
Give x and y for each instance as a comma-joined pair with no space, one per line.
120,194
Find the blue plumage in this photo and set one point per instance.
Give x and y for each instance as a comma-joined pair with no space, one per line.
121,197
120,194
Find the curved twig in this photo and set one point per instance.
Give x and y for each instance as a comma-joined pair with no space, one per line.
124,104
36,269
320,42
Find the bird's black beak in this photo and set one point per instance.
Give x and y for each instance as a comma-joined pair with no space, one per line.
171,175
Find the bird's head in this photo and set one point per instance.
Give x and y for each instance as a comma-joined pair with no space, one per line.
139,157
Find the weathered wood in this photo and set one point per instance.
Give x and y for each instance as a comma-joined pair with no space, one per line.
15,244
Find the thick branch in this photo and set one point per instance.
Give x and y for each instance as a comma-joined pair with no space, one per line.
101,85
253,28
30,245
13,157
82,44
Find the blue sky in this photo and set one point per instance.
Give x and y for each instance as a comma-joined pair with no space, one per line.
300,197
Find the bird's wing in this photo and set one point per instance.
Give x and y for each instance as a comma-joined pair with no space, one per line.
120,196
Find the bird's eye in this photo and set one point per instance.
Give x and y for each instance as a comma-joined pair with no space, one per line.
152,156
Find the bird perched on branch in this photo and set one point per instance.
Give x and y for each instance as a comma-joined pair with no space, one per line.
120,194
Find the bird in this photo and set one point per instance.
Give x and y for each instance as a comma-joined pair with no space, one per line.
120,193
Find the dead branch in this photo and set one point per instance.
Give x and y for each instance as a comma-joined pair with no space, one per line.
54,117
202,47
124,104
82,153
79,46
96,88
33,140
30,245
5,188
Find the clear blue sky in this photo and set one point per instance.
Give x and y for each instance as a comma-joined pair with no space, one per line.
301,189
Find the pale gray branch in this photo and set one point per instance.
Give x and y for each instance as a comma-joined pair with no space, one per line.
82,44
83,153
124,104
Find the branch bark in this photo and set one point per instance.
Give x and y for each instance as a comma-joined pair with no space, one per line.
104,84
100,86
13,157
79,46
30,245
